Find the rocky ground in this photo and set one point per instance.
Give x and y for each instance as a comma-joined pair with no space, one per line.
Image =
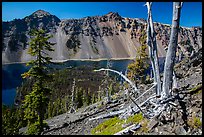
183,116
78,123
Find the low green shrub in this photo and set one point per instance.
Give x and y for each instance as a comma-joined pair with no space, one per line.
114,125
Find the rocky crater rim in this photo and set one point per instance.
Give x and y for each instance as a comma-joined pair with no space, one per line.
41,13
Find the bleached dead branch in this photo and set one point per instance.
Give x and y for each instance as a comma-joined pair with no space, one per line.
131,128
146,91
123,76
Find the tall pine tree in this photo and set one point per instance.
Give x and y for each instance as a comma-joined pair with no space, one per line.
140,65
36,101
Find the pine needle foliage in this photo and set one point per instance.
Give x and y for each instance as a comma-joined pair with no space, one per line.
36,102
140,65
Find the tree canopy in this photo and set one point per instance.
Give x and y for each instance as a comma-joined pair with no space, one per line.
36,102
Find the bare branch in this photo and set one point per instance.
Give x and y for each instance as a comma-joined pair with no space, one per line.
123,76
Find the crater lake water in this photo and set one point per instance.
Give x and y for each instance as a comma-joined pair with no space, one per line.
11,73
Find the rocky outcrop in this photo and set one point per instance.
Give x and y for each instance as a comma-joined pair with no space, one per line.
107,36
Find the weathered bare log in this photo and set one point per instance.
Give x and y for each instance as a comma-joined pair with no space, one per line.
127,129
171,52
146,91
152,44
148,99
136,109
110,114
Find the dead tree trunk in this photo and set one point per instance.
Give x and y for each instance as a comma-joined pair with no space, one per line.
171,52
72,109
152,44
73,88
109,65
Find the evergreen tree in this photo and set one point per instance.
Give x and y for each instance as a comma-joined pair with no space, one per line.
36,101
137,69
60,111
84,98
54,109
111,89
63,104
10,121
67,103
93,100
79,97
99,94
49,110
89,96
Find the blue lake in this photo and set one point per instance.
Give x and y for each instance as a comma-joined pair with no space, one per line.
8,96
11,74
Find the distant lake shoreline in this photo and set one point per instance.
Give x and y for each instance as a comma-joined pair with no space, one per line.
11,73
63,61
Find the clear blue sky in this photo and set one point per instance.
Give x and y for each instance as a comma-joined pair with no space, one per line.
191,14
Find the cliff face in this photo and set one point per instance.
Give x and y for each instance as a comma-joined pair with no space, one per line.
108,36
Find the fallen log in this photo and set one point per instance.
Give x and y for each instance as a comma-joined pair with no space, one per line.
146,91
110,114
131,128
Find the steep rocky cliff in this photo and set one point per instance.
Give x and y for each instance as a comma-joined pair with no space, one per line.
107,36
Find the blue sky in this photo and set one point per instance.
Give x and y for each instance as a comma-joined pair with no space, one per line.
191,14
